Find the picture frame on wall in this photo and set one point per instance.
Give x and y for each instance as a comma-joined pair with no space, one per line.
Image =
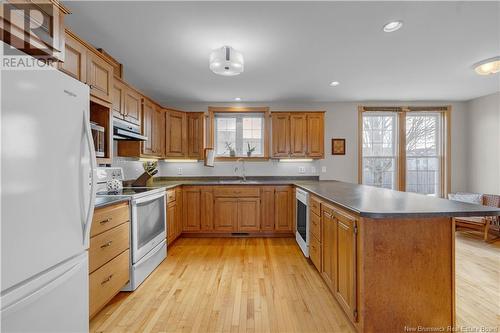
338,146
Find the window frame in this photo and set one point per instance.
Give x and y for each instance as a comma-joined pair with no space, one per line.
402,111
266,129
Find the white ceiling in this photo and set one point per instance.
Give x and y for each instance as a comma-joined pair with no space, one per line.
293,50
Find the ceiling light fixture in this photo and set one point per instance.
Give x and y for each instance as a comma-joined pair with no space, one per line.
393,26
334,83
226,61
237,99
488,66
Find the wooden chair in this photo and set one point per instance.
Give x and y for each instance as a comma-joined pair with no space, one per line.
482,223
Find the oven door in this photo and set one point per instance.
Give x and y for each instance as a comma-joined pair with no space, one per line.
302,226
148,224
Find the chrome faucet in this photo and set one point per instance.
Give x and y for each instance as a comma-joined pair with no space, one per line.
243,170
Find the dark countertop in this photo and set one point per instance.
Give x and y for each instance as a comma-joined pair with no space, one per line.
107,200
366,201
373,202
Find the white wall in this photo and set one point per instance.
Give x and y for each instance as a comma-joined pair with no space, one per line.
341,121
483,144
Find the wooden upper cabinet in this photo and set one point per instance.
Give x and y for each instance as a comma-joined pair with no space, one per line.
283,208
280,134
75,58
226,213
195,134
117,98
298,135
159,132
315,135
176,134
99,77
267,208
132,106
148,113
16,20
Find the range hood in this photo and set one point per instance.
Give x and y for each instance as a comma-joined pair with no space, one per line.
123,130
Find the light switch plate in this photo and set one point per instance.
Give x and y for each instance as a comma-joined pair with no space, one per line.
179,171
323,169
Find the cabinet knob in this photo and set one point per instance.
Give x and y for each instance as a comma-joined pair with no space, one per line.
106,220
106,280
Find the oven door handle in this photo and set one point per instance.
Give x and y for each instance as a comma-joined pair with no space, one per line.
148,198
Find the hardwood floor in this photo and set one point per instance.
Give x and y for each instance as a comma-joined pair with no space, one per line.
266,285
477,267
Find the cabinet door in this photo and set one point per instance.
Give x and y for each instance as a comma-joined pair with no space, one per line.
315,135
226,214
345,288
159,132
132,106
191,208
171,220
75,59
178,217
99,77
298,135
283,208
147,127
207,209
176,135
195,135
329,247
118,94
280,134
267,208
249,214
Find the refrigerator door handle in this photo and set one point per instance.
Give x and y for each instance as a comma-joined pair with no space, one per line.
93,166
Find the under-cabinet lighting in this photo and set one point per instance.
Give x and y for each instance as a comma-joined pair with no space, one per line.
179,160
296,159
144,159
488,66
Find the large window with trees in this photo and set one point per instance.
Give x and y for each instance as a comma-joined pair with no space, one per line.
405,148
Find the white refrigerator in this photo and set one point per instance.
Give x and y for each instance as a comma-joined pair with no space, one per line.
47,201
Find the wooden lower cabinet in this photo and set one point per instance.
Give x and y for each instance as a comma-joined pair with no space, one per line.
225,214
328,242
191,202
108,254
171,220
248,214
174,214
267,208
206,209
283,208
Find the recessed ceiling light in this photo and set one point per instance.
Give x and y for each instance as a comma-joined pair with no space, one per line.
488,66
334,83
237,99
393,26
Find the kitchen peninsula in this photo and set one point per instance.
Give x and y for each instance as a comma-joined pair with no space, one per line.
386,256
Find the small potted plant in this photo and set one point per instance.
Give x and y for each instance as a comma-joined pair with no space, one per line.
250,150
230,148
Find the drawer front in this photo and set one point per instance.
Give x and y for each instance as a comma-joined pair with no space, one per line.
109,217
107,281
315,205
170,196
315,225
315,252
108,245
240,191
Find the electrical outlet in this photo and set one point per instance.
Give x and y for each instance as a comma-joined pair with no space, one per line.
323,169
302,169
179,171
313,169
